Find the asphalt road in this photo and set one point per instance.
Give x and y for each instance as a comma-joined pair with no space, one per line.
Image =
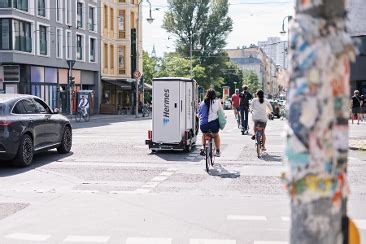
111,189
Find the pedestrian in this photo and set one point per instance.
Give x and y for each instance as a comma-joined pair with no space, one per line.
356,106
235,103
245,98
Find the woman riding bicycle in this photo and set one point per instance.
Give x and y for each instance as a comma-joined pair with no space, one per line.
209,119
260,108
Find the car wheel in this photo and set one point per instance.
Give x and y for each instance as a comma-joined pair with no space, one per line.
66,141
25,152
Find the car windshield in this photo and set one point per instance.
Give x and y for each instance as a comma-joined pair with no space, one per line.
2,109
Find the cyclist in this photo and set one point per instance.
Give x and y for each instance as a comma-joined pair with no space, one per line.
209,119
84,105
260,108
235,102
245,98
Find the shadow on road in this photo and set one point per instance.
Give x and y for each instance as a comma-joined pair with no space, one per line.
180,156
221,172
271,158
39,160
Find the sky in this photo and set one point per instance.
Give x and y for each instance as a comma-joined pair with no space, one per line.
253,21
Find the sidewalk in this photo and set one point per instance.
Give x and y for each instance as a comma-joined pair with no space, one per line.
97,117
357,136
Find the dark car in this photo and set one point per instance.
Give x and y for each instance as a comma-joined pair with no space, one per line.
27,126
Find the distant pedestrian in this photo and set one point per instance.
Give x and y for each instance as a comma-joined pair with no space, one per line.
235,104
356,106
245,98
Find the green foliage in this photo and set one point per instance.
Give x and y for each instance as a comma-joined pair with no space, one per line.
150,65
233,74
252,81
204,25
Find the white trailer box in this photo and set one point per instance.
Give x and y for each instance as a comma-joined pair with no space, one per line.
173,114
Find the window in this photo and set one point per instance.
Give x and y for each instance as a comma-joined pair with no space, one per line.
20,4
92,50
68,45
59,43
19,108
122,23
41,107
92,14
5,3
112,18
5,32
68,12
79,12
79,47
22,36
112,56
105,56
41,8
59,10
29,106
43,42
105,17
121,60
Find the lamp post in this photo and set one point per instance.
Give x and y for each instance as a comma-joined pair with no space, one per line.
283,32
149,20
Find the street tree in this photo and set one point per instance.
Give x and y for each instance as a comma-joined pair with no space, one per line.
150,66
233,76
252,81
202,26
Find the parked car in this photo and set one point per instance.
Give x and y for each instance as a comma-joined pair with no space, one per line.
276,107
27,126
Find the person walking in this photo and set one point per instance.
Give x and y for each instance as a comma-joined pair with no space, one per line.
245,98
356,106
235,103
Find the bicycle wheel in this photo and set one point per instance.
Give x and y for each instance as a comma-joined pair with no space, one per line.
87,117
78,117
258,137
207,157
213,152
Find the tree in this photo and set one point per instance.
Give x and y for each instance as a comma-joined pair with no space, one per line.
251,80
150,65
204,25
232,74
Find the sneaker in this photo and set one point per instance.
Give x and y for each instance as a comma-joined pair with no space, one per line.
253,137
218,154
202,152
264,149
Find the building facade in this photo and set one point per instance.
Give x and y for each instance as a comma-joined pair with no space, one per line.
38,38
276,50
120,48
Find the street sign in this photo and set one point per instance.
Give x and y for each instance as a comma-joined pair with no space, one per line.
136,74
71,63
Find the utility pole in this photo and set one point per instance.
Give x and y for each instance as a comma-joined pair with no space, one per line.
317,144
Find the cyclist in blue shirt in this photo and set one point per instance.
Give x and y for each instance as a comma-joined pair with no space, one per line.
209,119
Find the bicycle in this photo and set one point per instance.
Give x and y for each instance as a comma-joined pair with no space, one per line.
259,139
210,150
80,114
145,111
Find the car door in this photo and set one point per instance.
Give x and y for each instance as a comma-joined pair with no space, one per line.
36,123
51,126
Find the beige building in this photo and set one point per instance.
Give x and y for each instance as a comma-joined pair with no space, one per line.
120,40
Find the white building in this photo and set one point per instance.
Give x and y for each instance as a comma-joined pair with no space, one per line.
276,50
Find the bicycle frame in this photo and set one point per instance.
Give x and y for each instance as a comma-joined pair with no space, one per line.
209,150
259,140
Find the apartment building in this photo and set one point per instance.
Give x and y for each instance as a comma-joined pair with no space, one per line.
276,50
120,41
37,39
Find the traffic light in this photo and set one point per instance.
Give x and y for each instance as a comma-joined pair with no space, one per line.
71,81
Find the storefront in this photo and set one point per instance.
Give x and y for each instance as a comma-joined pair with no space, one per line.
116,97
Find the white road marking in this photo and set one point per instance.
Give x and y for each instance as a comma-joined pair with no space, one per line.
122,192
285,219
151,185
211,241
94,239
144,240
28,237
172,169
247,217
142,191
271,242
165,173
85,191
159,178
360,223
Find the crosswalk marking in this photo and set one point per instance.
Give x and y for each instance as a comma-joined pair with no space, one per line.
144,240
151,185
159,178
285,219
211,241
28,237
93,239
270,242
247,217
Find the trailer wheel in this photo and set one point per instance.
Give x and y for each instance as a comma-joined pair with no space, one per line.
188,148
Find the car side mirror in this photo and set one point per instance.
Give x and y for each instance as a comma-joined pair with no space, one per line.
56,110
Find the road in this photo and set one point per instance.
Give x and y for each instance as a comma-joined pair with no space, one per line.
111,189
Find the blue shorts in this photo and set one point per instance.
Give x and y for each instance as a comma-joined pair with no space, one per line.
213,126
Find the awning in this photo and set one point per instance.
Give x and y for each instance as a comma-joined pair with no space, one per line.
118,82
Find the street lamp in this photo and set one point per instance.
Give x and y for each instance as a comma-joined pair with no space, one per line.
283,32
150,19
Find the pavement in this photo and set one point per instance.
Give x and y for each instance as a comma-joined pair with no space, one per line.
357,139
112,189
